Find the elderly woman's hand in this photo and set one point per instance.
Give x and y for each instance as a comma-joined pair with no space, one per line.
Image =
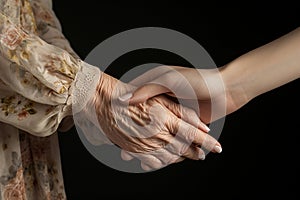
158,132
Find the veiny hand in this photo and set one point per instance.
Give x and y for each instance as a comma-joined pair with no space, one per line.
158,131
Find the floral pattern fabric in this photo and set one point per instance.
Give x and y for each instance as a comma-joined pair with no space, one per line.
38,72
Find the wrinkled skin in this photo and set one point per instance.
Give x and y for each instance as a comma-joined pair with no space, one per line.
158,132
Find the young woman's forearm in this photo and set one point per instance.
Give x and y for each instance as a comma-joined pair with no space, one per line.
264,68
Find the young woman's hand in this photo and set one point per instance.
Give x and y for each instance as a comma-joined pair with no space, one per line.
205,88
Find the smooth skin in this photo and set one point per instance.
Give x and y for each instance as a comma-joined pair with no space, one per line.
231,86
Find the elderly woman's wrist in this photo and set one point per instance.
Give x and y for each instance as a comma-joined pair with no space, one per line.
85,85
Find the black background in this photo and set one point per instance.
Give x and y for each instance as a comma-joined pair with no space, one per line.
260,141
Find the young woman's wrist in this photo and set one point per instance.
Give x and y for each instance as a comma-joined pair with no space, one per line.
235,87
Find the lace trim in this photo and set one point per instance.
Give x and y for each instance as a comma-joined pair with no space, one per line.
84,87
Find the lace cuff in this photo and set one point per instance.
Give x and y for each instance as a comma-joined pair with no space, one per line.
84,113
84,86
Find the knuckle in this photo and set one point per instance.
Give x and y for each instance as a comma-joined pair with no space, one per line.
191,135
184,149
173,159
209,142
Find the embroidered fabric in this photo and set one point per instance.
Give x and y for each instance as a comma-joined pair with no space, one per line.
83,93
84,86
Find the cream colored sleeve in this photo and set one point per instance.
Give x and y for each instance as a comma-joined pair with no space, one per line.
41,73
35,118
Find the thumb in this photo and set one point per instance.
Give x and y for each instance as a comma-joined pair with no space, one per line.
159,85
147,91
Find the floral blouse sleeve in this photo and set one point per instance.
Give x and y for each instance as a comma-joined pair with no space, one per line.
38,119
44,78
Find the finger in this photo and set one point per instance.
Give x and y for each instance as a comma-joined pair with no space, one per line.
194,153
165,156
185,113
148,161
147,91
156,159
188,150
126,156
150,75
180,159
169,82
190,134
164,83
145,167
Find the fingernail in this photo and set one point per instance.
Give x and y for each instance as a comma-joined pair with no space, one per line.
218,149
202,156
125,97
206,128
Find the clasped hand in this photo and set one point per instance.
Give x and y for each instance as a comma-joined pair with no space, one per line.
158,132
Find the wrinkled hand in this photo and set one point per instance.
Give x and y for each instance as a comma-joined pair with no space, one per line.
158,132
